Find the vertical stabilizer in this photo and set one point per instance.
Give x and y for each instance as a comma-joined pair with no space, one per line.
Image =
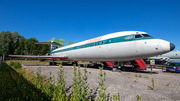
52,46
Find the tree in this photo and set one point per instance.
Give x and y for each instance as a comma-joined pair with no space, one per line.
13,43
20,50
15,39
5,42
9,42
30,46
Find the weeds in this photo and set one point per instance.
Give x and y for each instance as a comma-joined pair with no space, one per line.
80,85
38,88
168,84
102,87
16,65
153,83
11,63
138,97
116,97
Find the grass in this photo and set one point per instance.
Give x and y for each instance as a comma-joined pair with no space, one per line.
15,87
168,84
22,84
29,61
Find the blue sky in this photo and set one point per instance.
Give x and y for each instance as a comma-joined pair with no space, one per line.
78,20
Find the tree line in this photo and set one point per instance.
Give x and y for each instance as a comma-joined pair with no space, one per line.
15,44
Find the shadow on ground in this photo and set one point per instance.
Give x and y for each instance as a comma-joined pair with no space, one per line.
13,86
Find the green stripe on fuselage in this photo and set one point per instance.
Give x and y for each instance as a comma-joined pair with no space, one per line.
103,42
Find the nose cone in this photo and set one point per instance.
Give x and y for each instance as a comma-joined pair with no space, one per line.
166,46
172,46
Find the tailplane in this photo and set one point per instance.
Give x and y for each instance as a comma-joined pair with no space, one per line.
53,45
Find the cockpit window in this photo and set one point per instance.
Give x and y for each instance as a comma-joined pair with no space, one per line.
147,35
138,36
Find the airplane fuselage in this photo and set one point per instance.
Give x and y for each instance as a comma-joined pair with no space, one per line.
120,46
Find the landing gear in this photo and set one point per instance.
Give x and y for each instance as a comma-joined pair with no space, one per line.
97,65
75,62
116,67
52,63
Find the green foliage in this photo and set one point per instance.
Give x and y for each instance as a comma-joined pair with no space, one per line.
138,97
153,83
80,85
17,65
116,97
38,88
41,59
14,87
11,63
13,43
102,87
9,42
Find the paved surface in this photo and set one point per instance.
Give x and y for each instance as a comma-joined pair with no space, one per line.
128,84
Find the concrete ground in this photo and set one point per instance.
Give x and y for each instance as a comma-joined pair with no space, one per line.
128,84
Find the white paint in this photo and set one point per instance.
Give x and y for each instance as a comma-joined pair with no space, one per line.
122,51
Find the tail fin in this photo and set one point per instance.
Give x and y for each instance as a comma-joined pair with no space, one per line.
52,46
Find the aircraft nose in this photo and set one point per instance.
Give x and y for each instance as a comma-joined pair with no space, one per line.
172,46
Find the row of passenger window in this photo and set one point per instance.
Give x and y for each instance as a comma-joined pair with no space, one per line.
87,45
91,44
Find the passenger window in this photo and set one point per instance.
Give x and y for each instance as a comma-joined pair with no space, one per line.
138,36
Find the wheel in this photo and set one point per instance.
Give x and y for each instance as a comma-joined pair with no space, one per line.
114,69
50,63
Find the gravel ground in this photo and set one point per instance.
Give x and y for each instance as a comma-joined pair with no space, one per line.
128,84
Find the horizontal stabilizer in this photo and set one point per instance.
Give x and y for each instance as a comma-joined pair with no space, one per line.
41,57
49,43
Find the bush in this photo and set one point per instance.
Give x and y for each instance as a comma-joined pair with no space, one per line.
11,63
17,65
41,59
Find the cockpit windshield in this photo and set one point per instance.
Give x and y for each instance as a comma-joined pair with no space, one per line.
147,35
138,36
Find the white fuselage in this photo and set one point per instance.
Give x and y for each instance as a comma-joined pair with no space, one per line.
120,46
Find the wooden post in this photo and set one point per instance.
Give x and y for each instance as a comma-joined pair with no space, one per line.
151,68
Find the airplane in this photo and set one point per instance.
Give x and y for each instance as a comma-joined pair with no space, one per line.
173,56
119,46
